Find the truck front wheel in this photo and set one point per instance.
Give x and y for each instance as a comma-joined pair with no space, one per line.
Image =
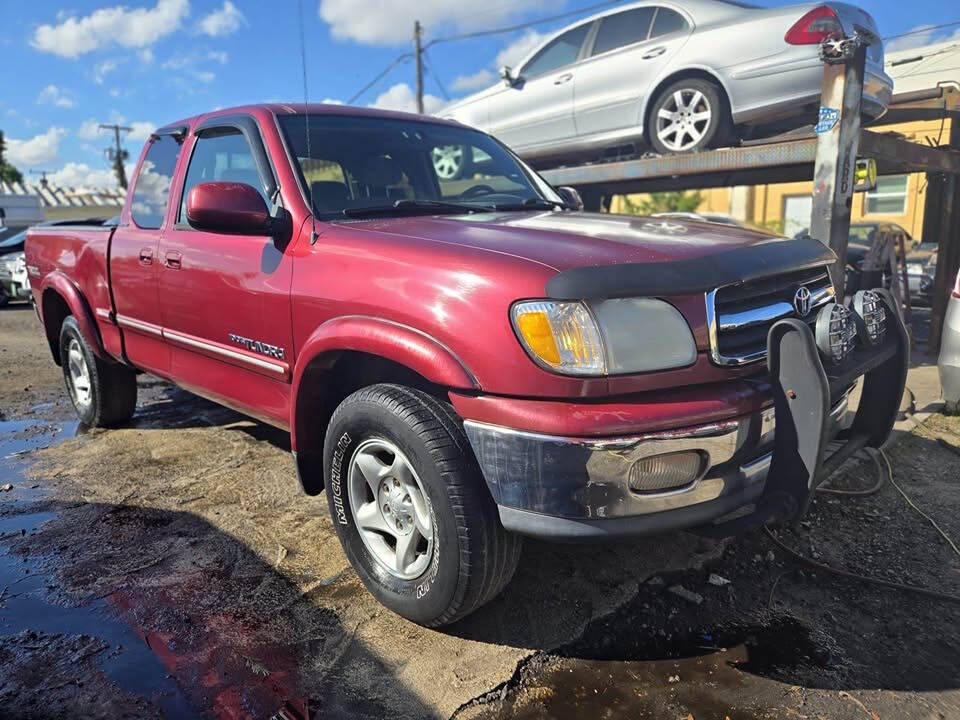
411,508
103,393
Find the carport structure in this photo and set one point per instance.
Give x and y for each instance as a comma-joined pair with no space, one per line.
827,157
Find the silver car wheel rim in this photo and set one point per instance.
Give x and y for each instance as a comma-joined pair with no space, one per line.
79,375
683,120
447,161
391,509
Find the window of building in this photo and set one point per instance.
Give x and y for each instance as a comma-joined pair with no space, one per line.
152,190
889,198
625,28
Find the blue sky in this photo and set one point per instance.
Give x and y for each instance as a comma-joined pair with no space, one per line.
67,66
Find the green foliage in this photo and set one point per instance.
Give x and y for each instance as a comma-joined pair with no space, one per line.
661,202
8,173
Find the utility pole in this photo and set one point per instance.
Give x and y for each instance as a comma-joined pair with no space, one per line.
418,52
43,176
117,155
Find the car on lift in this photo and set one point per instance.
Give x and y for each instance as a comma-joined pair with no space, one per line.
949,362
680,76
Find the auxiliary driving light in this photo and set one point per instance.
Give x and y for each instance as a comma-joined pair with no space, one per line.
835,332
870,316
662,473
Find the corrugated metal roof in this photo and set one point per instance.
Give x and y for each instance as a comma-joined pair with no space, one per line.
55,196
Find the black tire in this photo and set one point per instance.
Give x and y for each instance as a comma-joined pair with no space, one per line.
716,132
473,557
113,387
4,298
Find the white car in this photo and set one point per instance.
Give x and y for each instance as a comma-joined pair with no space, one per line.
679,75
949,362
14,281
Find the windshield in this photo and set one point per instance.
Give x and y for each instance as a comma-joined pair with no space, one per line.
399,166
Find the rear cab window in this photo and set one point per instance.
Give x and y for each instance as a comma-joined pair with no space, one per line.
152,190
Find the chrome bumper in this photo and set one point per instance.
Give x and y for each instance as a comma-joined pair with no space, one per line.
570,488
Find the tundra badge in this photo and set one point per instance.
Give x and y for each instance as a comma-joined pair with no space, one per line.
257,346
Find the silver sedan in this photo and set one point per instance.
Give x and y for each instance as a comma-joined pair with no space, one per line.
949,363
680,75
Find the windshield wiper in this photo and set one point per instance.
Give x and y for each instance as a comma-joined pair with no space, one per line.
407,205
532,204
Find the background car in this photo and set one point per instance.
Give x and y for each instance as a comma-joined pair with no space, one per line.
949,362
921,270
680,76
14,282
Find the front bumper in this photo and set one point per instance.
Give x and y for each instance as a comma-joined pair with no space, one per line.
579,488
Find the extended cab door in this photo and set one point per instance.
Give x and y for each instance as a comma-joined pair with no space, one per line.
538,108
628,54
134,252
225,298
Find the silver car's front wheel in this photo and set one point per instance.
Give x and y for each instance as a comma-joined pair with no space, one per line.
391,508
688,115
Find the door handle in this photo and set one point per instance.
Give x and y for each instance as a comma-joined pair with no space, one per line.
146,256
566,77
172,260
656,52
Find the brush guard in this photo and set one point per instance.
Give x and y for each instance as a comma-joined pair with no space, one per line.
804,389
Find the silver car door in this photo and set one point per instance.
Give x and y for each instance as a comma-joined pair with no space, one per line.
628,55
538,108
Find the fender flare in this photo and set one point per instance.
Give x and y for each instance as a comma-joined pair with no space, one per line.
59,283
390,340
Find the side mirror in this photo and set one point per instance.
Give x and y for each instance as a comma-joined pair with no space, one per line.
570,196
228,207
506,74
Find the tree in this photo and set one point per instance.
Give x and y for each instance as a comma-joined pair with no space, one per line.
8,173
661,202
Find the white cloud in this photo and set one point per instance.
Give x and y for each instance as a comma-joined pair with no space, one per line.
516,51
141,131
89,130
331,101
82,175
42,149
52,95
101,70
401,97
479,79
224,21
131,28
204,76
920,36
219,55
145,55
390,22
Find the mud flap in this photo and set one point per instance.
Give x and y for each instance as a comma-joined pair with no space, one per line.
804,391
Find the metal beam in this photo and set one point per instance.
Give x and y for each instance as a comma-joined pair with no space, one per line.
837,143
941,223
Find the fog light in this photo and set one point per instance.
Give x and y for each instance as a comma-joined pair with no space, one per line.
835,332
871,317
665,472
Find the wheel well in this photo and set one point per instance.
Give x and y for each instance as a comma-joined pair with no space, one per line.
55,311
682,75
327,381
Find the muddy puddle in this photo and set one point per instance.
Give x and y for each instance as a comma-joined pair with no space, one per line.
27,606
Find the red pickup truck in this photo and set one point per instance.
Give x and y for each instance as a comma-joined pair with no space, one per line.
464,362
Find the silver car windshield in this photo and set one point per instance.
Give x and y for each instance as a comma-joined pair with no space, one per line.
363,163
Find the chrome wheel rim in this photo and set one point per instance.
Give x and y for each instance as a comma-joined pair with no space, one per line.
447,161
79,375
683,120
391,509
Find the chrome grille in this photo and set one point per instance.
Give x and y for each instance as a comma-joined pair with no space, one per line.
740,315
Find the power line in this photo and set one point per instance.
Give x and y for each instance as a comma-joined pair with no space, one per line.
923,30
433,74
521,26
399,59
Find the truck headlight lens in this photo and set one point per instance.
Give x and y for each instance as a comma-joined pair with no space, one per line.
871,316
560,336
611,337
835,332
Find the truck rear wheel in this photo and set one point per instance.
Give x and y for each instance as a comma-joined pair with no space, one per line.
411,508
103,393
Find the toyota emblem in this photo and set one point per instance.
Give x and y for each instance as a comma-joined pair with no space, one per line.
801,301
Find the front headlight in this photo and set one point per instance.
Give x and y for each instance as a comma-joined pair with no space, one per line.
609,337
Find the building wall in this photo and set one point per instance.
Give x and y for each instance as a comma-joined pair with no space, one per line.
765,205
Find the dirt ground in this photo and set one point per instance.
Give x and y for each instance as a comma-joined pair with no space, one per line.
172,568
